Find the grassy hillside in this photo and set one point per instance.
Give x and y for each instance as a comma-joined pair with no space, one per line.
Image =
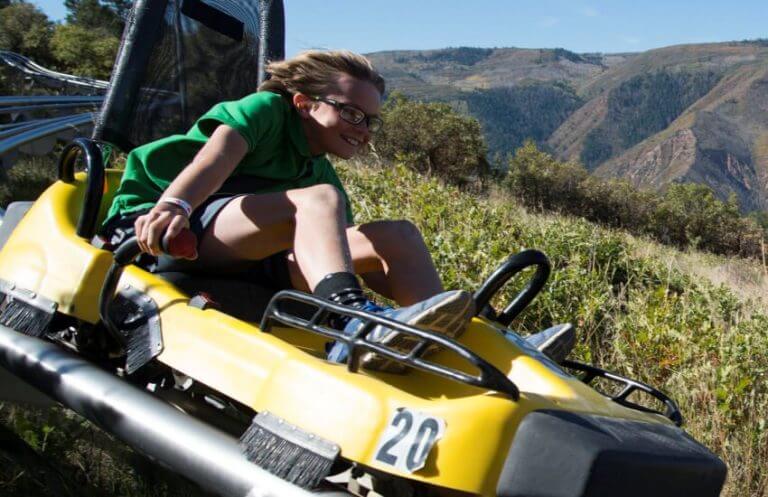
689,324
692,325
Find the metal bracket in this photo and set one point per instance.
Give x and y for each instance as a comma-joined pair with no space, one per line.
24,310
137,318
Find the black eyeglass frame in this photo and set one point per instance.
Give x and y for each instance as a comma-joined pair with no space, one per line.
374,123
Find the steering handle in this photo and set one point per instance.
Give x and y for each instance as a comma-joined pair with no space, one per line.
513,265
182,245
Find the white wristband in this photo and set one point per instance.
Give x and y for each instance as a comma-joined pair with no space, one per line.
178,202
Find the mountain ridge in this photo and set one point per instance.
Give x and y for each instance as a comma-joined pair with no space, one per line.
686,112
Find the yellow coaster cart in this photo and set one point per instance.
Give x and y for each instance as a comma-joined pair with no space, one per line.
200,388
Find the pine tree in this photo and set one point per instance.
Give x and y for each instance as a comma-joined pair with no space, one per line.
25,29
97,15
119,7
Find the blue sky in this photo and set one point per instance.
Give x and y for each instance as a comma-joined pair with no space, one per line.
580,26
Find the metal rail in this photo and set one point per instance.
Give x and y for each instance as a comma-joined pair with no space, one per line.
58,79
15,129
65,124
671,410
23,109
18,134
184,444
488,376
16,100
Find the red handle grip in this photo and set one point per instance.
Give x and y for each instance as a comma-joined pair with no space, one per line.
182,246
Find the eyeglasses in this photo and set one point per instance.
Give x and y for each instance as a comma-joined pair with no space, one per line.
353,115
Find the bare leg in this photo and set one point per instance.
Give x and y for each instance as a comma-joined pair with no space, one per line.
393,260
311,222
402,257
308,220
391,255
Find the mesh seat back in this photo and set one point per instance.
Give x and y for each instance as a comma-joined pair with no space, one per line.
177,58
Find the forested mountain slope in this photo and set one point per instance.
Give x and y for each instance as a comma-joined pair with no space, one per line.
682,113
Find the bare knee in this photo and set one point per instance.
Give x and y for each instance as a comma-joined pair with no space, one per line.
319,200
406,231
394,238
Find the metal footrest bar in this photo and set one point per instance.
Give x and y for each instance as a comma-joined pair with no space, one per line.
590,373
489,377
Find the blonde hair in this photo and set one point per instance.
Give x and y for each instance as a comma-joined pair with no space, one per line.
315,73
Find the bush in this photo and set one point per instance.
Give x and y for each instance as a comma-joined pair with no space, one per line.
25,29
690,215
432,139
83,51
686,215
618,204
542,182
27,179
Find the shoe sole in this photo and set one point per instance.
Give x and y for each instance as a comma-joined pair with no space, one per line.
448,318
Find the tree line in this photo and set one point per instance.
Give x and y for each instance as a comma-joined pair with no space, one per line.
510,115
85,44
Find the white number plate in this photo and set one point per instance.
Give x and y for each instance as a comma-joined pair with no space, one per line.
408,439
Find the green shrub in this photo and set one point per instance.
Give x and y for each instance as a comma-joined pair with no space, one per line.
685,215
25,29
431,138
85,51
544,182
690,215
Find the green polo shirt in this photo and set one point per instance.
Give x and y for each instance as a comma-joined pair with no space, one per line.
278,157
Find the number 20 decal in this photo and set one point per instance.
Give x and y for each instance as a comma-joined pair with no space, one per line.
408,439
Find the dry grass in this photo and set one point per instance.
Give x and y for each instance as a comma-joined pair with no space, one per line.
746,278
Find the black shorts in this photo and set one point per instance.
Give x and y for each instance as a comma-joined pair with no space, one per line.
271,271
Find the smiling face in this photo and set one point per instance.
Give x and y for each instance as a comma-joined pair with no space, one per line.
326,131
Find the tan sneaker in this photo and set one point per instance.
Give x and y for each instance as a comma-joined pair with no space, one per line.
447,313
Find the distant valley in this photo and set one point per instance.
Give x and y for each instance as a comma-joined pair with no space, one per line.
690,113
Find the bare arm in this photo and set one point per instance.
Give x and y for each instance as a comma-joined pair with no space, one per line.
212,165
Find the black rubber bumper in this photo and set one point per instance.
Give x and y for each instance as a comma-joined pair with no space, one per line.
562,454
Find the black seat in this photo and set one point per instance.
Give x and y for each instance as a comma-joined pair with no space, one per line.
241,299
